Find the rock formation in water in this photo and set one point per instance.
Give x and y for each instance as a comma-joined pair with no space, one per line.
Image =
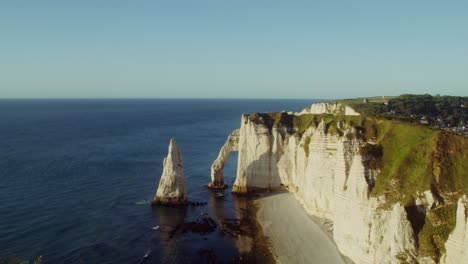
172,188
217,177
329,172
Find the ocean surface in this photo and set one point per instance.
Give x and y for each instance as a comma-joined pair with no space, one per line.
77,176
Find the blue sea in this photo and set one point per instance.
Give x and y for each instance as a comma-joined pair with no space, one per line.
77,176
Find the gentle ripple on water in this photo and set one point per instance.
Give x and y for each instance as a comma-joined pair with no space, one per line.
76,178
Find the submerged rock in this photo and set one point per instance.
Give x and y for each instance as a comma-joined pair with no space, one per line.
172,188
202,226
198,203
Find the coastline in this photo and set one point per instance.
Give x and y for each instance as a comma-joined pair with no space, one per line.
289,230
253,245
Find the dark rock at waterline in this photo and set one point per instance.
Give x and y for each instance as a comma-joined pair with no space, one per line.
173,203
198,203
168,201
231,227
202,226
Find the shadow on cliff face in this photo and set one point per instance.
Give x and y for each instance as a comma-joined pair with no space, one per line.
417,217
263,174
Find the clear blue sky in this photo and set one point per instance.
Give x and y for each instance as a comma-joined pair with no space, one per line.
232,49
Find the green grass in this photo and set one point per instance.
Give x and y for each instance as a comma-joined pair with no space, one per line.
274,119
303,122
406,166
415,159
437,227
306,145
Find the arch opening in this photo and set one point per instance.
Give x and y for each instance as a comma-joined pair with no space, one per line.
217,176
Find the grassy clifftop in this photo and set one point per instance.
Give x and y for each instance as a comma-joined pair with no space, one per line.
410,157
416,159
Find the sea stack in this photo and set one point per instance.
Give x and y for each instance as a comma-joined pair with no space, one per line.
172,188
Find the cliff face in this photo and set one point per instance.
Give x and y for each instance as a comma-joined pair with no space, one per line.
457,244
331,168
326,173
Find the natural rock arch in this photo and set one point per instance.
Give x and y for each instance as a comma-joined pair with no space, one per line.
217,176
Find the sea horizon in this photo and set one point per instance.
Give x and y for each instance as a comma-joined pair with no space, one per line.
156,98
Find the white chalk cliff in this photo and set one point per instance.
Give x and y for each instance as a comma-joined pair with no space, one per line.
329,108
172,188
328,175
457,244
331,181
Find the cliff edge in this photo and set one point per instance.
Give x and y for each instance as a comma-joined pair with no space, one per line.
390,187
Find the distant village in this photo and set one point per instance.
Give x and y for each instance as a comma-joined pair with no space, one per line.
439,122
443,112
